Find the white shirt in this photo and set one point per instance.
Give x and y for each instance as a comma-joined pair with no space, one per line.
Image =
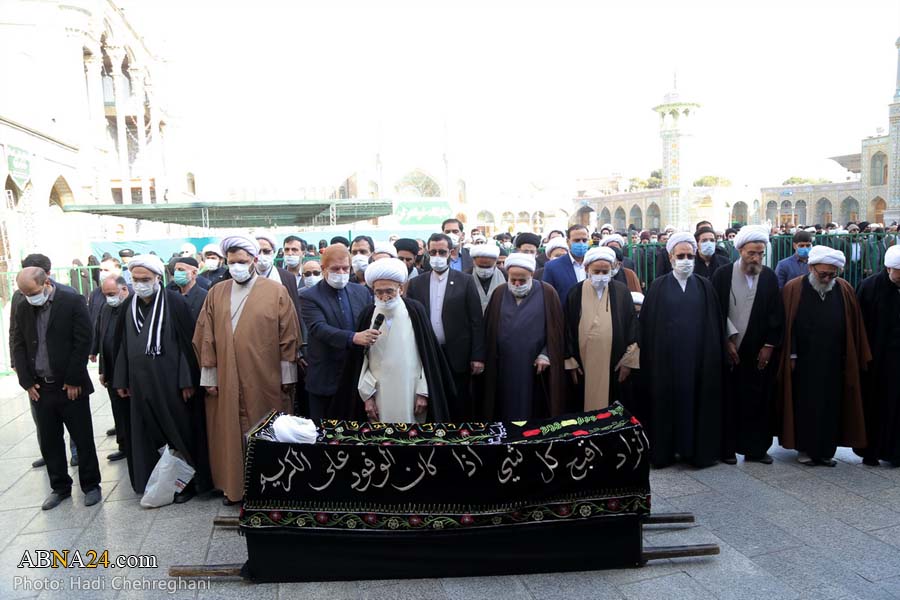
436,291
579,269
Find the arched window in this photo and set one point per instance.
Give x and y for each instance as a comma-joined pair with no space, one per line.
878,207
823,211
787,213
619,219
191,184
878,169
771,211
849,210
605,217
584,215
61,194
739,213
800,211
418,183
653,216
635,217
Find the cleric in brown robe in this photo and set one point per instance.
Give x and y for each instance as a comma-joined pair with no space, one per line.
246,339
601,333
524,373
820,404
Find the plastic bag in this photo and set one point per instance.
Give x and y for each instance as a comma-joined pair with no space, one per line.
170,475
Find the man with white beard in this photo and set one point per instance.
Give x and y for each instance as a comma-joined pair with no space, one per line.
826,349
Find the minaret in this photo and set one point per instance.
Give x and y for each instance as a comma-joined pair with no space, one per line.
675,129
892,212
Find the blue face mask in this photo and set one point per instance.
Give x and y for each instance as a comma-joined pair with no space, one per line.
578,249
707,248
803,252
181,278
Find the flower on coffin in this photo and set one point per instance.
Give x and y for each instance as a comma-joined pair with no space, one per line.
275,515
613,504
322,518
466,519
371,518
415,520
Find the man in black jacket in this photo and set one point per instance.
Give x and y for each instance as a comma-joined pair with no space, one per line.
51,346
451,300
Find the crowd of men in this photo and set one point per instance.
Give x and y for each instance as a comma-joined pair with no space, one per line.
695,333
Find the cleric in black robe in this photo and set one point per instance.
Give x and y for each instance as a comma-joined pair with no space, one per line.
682,359
156,366
347,402
750,299
879,301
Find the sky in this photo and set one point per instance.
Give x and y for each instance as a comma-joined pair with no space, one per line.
288,94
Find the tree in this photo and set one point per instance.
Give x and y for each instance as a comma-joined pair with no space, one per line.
712,181
636,183
804,180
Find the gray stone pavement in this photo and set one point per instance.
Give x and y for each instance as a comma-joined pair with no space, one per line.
786,531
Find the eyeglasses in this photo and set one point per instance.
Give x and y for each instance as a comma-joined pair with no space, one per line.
312,273
684,256
386,294
441,252
825,274
263,251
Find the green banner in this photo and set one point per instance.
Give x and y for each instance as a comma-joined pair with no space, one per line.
422,212
18,162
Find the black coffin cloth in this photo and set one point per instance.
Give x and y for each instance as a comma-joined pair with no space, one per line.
398,500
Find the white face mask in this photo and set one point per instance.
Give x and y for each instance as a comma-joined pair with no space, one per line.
338,280
38,299
600,281
614,271
113,301
312,280
454,239
483,272
145,289
359,263
211,264
292,261
388,305
520,291
684,266
240,272
264,263
439,263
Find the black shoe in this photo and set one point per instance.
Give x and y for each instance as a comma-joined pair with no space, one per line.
184,495
74,461
117,455
54,499
762,458
825,462
227,502
38,463
870,462
731,460
111,432
92,497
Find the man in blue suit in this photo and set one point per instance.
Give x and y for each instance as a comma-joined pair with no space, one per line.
566,271
330,310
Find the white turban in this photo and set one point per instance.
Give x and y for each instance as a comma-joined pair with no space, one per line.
614,237
213,248
749,234
271,240
189,248
151,262
385,248
679,238
557,242
520,259
599,253
489,250
637,298
827,256
606,226
892,257
239,242
387,268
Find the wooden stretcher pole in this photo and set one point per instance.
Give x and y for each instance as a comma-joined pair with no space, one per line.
664,518
226,522
661,552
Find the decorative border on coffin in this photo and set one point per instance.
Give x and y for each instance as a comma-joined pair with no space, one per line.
637,504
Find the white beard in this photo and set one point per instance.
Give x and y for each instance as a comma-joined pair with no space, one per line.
821,288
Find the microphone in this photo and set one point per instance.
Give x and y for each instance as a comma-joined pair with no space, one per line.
379,321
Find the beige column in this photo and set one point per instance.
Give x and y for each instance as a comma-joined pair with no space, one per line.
96,138
157,151
117,56
144,162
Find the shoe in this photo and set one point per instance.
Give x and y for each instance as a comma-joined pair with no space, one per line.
870,462
54,499
826,462
117,455
731,460
111,432
762,458
74,461
38,463
227,502
183,496
92,497
804,459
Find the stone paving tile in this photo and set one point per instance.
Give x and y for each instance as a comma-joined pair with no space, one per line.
485,588
325,590
888,535
671,482
678,586
413,589
562,586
